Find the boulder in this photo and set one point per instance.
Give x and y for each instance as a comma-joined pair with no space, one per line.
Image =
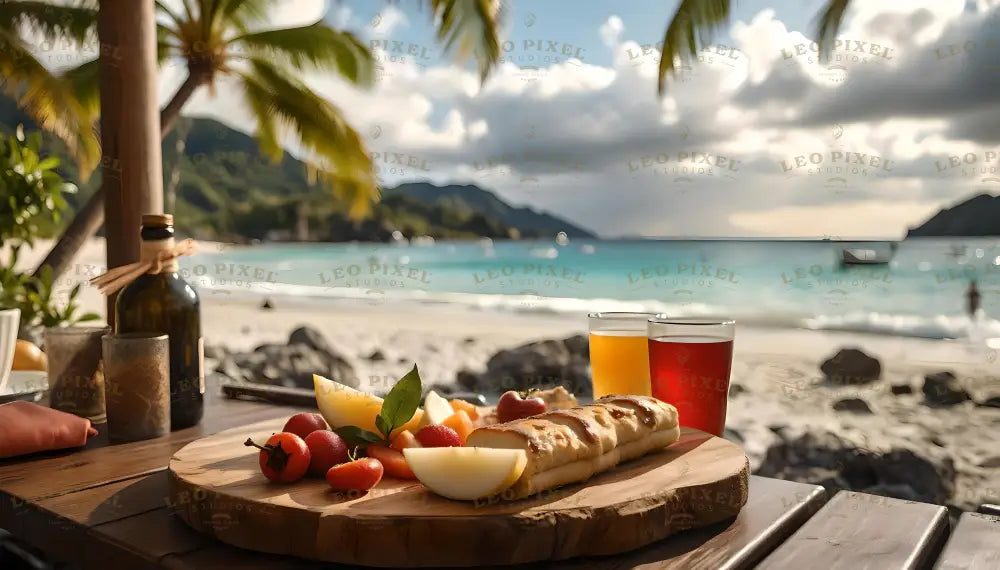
992,401
376,356
311,338
578,345
901,389
823,458
851,366
542,364
290,365
987,392
735,389
852,405
216,351
942,389
467,379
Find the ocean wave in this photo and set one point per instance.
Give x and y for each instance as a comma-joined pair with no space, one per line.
936,327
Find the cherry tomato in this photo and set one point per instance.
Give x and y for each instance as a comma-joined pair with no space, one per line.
326,449
514,406
359,475
284,458
304,424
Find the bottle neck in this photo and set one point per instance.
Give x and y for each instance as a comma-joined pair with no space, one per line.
149,249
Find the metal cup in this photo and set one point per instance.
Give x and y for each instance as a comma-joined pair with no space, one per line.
76,375
137,385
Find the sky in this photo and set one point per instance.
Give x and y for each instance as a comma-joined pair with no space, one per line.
757,139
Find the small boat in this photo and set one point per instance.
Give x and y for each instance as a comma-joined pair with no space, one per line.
854,256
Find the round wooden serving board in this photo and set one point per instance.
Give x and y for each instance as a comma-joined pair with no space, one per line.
217,488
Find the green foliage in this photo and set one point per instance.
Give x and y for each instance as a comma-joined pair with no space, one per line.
695,22
50,100
31,190
34,296
32,200
39,297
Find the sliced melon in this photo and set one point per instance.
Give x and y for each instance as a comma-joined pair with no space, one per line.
342,405
466,473
436,409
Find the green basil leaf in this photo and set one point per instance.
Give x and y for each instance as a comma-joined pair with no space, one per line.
400,403
354,436
381,426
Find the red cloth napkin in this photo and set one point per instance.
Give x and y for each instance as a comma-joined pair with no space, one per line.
28,428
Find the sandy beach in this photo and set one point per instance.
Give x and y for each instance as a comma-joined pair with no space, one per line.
781,389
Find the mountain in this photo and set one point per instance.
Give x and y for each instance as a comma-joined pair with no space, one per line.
977,216
226,190
469,198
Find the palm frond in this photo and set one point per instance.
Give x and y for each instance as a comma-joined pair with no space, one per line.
471,27
690,30
259,100
829,24
48,100
84,83
316,45
163,45
176,18
76,23
336,150
241,13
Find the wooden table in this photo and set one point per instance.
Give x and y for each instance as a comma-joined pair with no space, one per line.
107,507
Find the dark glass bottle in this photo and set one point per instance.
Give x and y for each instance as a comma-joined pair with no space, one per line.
165,303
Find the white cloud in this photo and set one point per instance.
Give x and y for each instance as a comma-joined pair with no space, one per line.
610,30
389,21
595,144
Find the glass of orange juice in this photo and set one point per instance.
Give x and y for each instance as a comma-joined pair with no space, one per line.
619,353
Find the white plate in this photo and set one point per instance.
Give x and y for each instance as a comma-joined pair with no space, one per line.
24,384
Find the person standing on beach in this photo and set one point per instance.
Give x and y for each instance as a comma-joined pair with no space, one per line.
972,299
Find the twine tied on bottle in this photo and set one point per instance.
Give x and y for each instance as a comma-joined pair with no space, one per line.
115,278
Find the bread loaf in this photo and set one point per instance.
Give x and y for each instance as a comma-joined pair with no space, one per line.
572,445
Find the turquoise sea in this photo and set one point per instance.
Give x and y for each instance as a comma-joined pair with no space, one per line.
921,292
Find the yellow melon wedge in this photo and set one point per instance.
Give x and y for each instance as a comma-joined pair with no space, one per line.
466,473
342,405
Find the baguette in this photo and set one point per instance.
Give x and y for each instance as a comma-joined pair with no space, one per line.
571,445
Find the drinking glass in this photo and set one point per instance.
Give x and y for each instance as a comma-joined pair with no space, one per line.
618,354
689,365
9,321
137,385
76,377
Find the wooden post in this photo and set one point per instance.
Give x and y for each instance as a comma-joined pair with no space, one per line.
131,169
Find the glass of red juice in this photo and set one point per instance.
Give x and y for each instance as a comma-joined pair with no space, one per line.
689,365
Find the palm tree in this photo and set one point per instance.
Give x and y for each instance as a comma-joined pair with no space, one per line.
40,93
221,38
695,22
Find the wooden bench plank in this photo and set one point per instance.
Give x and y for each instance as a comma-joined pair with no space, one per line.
974,544
857,531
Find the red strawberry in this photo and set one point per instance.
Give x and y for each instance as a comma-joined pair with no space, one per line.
438,436
304,424
326,449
